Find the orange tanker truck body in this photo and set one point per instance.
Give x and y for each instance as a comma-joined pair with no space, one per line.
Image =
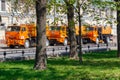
57,34
20,35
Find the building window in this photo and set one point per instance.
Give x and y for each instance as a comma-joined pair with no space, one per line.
3,5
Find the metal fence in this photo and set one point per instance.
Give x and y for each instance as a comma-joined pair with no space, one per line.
51,51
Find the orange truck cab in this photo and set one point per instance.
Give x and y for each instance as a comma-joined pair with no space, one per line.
57,34
20,35
91,35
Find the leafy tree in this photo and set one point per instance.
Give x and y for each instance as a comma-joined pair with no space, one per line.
40,5
67,7
79,21
71,27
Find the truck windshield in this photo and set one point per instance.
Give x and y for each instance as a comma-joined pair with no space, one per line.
89,28
13,28
55,28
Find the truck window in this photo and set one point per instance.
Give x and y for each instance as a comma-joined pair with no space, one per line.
55,28
63,29
13,28
23,29
89,28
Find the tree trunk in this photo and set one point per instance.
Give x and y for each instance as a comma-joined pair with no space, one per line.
0,19
118,28
40,58
71,25
80,45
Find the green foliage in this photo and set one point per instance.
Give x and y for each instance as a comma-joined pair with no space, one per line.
71,1
96,66
23,5
56,7
86,25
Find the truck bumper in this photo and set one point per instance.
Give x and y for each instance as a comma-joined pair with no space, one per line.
15,42
56,40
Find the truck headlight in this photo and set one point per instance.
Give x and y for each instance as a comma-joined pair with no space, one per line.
22,37
62,36
94,35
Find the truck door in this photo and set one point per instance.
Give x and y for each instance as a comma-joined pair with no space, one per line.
24,33
63,30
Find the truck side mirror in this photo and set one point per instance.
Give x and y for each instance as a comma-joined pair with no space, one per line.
95,29
23,29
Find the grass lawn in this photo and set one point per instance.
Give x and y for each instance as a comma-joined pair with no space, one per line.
96,66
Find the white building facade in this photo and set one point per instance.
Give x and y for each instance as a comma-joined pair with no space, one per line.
10,17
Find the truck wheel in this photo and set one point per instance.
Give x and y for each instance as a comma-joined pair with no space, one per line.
11,46
47,42
77,39
84,41
65,42
107,39
81,41
97,41
27,44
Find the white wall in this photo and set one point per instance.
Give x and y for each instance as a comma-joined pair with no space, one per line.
0,5
2,37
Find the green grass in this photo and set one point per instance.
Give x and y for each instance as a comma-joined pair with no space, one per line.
96,66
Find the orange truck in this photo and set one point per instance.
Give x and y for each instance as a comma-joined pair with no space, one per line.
96,34
20,35
57,34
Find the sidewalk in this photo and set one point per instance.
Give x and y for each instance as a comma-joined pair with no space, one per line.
113,48
3,45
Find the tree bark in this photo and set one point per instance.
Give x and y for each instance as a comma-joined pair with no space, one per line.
118,27
80,45
71,26
40,58
118,33
0,19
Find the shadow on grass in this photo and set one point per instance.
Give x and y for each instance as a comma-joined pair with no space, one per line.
30,74
103,60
